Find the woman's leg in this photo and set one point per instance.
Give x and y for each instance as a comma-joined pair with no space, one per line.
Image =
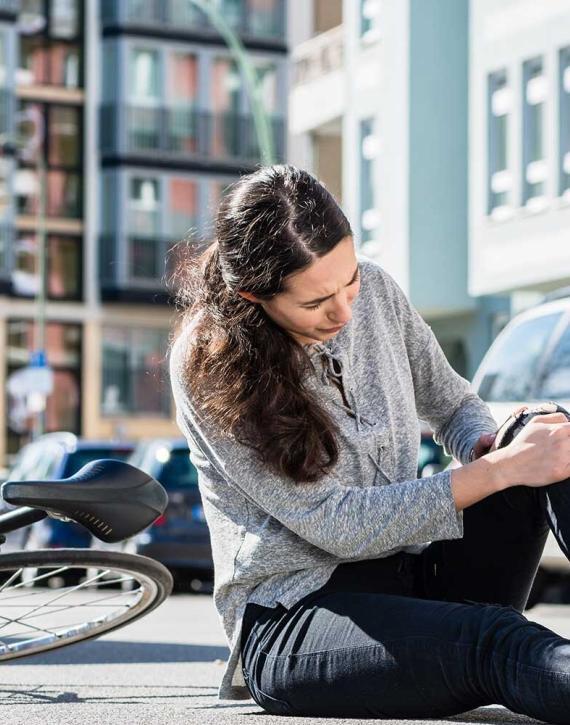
498,556
357,654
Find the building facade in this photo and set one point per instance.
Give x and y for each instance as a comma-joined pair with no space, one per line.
520,148
388,134
144,121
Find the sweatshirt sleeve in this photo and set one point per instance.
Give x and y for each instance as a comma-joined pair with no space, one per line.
348,521
445,399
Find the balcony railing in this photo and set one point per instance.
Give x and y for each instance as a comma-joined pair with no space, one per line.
6,251
136,263
318,56
10,7
184,133
182,16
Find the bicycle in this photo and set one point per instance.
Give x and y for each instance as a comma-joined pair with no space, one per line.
108,589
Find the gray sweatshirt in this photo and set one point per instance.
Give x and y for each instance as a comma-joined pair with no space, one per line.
275,541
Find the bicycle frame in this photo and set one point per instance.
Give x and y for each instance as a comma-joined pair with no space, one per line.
18,518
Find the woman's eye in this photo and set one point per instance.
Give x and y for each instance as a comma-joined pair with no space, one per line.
314,307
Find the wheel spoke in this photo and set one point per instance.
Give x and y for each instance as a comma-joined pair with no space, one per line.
73,589
114,588
76,606
15,575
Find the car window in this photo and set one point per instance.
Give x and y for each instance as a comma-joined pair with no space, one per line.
555,383
178,471
511,366
79,458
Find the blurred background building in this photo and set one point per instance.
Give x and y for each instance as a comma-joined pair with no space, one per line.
441,126
146,122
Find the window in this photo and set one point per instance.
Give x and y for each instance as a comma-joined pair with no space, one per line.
144,206
50,46
49,63
225,102
63,153
64,136
369,147
64,18
555,381
181,214
263,18
144,72
500,180
182,101
369,12
512,362
135,372
564,131
63,267
63,410
535,91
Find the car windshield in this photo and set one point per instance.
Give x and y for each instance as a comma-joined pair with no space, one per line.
510,370
77,460
177,471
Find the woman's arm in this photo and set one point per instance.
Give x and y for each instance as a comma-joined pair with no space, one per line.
443,398
342,517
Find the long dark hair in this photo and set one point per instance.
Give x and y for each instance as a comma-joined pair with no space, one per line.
243,370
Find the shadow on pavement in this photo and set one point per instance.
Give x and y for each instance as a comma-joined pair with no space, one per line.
495,715
116,652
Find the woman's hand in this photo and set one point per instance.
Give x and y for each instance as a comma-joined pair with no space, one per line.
540,453
486,442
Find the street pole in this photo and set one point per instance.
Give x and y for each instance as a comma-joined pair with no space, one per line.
260,120
42,268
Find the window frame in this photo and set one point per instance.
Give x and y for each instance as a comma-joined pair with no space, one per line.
132,408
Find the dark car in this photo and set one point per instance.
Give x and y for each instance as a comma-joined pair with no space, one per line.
179,539
56,456
431,458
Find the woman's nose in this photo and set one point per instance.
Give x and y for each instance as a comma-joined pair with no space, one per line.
342,311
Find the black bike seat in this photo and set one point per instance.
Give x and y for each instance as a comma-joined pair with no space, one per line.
111,498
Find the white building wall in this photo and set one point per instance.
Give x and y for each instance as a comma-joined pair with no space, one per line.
529,250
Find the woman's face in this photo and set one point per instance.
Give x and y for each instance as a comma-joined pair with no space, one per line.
317,302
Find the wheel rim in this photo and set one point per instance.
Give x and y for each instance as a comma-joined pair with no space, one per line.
35,618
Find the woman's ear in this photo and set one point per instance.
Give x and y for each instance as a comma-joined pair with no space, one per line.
248,296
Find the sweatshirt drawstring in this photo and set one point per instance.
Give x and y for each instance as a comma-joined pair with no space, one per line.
332,370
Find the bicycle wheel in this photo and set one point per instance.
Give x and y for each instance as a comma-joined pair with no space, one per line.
40,610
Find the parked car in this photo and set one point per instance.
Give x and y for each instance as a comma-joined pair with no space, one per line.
529,362
431,458
179,539
55,456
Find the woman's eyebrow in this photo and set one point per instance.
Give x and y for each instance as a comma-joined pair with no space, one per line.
322,299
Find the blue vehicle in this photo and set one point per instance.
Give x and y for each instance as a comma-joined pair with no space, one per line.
57,456
179,539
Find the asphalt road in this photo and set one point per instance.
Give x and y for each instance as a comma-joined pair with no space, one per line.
166,669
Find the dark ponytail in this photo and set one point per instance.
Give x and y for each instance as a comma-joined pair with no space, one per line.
244,371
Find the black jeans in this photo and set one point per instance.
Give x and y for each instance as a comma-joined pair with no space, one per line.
426,635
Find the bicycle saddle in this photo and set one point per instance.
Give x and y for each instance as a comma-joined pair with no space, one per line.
110,498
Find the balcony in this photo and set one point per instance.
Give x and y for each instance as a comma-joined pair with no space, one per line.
9,9
6,251
183,135
180,17
135,268
317,96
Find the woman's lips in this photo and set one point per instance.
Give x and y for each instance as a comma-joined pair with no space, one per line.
333,329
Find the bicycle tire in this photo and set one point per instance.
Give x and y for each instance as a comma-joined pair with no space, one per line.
153,578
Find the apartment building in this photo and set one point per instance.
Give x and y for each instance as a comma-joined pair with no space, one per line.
379,111
519,148
146,120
